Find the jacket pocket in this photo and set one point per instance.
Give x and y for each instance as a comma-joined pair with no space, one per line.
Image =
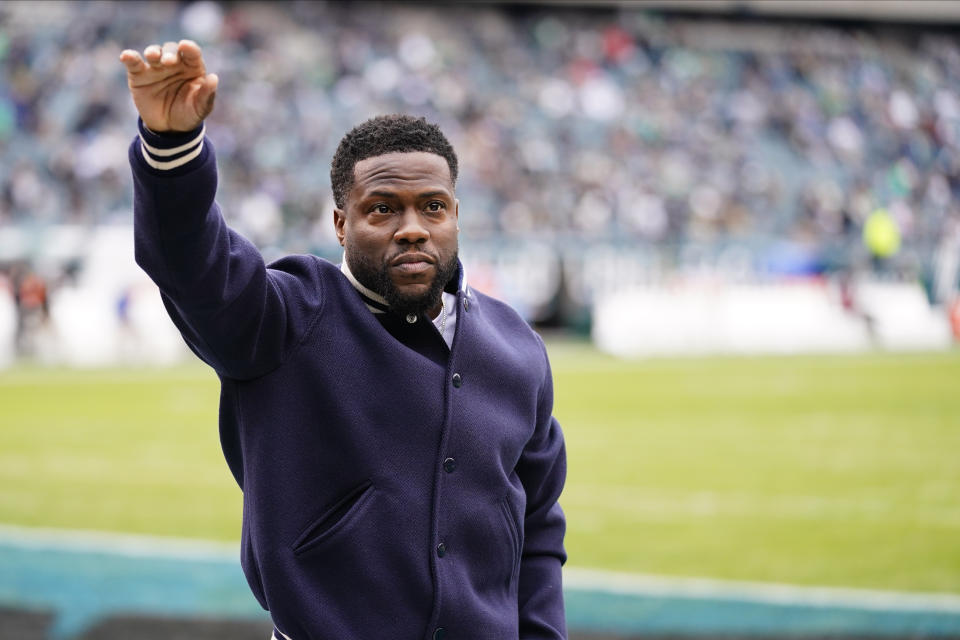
514,530
334,518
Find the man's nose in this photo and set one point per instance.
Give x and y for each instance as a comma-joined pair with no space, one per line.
411,229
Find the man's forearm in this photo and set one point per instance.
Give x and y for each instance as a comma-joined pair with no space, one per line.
202,267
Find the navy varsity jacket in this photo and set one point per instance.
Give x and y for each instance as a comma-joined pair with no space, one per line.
393,488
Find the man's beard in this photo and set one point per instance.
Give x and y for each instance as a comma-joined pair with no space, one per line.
377,278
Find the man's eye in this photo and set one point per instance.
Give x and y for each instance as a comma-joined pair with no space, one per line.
381,208
435,206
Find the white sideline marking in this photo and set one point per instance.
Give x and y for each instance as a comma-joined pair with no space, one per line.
767,592
135,545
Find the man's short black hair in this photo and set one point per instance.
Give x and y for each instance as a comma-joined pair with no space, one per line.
381,135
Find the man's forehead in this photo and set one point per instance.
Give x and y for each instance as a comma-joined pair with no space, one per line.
407,166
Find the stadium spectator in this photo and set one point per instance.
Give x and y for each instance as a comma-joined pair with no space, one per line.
32,306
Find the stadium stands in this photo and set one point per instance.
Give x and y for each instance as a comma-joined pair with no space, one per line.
756,149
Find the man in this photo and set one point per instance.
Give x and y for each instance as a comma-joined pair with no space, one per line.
391,428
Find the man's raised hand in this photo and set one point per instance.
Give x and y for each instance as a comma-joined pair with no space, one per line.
170,85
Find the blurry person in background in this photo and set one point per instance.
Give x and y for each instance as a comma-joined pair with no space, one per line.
33,311
882,238
8,316
390,427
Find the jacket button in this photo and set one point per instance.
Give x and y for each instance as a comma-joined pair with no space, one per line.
441,550
457,380
449,465
439,634
411,318
466,305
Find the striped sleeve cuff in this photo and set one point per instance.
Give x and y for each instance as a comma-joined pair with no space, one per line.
165,151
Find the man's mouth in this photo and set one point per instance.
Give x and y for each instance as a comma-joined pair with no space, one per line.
412,263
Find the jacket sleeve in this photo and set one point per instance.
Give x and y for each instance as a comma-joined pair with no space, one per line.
542,469
236,314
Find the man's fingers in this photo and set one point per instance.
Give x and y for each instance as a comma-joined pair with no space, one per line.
152,54
190,52
132,61
170,54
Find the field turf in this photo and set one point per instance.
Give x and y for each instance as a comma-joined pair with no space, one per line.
839,470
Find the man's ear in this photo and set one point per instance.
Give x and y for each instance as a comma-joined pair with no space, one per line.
456,212
339,219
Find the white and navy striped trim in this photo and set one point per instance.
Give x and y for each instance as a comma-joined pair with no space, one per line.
374,301
156,152
463,280
281,634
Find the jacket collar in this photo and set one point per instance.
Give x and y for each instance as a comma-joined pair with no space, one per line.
374,301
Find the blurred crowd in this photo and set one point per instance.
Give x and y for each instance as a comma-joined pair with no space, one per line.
573,125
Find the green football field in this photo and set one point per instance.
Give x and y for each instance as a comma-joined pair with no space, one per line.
839,470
